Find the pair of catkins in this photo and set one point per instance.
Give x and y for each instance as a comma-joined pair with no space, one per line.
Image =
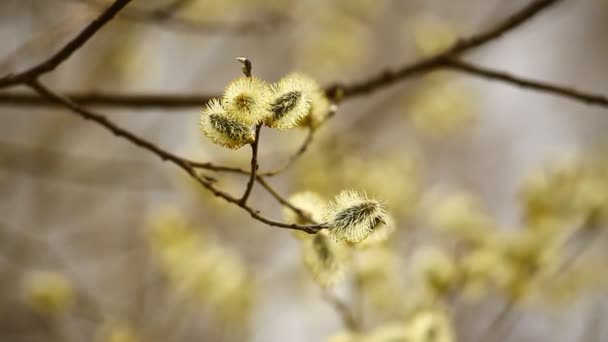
296,100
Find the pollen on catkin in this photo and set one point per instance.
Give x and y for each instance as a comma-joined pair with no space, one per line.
247,100
324,258
292,101
222,129
352,217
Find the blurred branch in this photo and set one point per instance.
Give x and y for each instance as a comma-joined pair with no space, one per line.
167,18
389,77
64,53
165,156
82,170
343,310
570,93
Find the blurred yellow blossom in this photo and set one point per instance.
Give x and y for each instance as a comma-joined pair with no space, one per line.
199,268
435,268
324,258
47,292
431,34
442,107
116,331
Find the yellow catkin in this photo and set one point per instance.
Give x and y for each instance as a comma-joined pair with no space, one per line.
324,258
352,217
247,100
292,101
224,130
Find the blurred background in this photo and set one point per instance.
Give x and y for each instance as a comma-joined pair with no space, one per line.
499,194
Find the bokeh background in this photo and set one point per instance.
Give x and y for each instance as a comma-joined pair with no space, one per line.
77,204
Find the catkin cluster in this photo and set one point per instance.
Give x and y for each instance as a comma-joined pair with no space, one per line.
296,100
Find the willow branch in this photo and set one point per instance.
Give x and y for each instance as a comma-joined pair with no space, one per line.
67,50
374,83
111,100
569,93
390,77
164,155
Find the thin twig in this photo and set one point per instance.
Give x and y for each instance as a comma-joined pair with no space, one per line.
165,156
254,164
284,202
570,93
67,50
294,157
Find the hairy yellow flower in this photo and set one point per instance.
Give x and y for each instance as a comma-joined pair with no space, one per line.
434,267
324,258
292,99
222,129
311,204
247,100
352,217
47,292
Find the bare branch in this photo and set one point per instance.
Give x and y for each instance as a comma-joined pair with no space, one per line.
389,77
384,79
570,93
111,100
64,53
